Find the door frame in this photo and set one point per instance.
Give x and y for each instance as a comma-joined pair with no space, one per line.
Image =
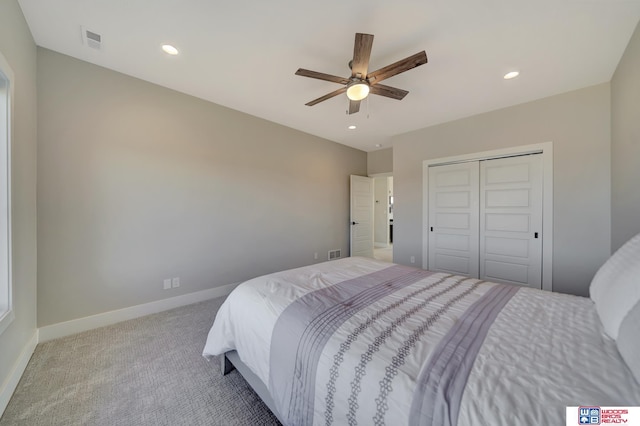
546,150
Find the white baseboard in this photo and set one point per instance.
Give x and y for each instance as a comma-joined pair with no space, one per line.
380,245
67,328
12,380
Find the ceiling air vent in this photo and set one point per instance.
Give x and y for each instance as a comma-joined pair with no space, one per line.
91,39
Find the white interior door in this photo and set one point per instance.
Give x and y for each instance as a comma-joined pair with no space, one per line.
511,220
361,216
453,218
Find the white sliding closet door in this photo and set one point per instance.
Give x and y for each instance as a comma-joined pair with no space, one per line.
511,220
485,219
453,218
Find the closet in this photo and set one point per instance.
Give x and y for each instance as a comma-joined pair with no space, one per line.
485,219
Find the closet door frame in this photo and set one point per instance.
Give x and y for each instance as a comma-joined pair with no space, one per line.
546,150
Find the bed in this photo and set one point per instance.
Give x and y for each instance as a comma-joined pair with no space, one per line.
361,341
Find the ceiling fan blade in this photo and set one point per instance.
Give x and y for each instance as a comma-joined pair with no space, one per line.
361,55
388,91
322,76
397,67
354,106
327,96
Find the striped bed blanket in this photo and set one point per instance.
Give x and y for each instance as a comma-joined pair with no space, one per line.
387,311
363,342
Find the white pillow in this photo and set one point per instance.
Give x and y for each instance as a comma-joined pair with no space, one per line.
615,288
628,341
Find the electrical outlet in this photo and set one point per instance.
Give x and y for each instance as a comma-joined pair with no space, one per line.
167,283
413,259
315,255
175,282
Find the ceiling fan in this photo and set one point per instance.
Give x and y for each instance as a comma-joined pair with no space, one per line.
362,82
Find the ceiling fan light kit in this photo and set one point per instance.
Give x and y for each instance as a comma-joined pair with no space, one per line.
357,90
361,82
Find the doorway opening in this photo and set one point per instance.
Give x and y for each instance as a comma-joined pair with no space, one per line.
383,218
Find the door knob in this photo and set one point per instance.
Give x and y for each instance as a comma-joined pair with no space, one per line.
354,223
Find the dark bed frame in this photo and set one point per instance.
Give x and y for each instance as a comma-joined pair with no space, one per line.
230,361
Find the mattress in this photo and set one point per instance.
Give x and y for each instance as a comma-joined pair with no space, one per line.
360,341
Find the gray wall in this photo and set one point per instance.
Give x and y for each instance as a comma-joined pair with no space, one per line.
380,161
137,183
625,145
578,124
17,46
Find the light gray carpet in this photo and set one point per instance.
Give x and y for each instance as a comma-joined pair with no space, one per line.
147,371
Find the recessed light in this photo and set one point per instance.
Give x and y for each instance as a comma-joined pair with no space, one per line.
510,75
352,127
169,49
378,145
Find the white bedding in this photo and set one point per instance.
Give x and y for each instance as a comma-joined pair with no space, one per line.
246,319
544,351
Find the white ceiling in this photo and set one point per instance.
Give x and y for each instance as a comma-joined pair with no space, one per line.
243,54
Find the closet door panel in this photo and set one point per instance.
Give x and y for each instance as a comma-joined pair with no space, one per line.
453,218
511,220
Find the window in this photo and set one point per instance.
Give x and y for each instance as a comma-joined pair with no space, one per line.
6,89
